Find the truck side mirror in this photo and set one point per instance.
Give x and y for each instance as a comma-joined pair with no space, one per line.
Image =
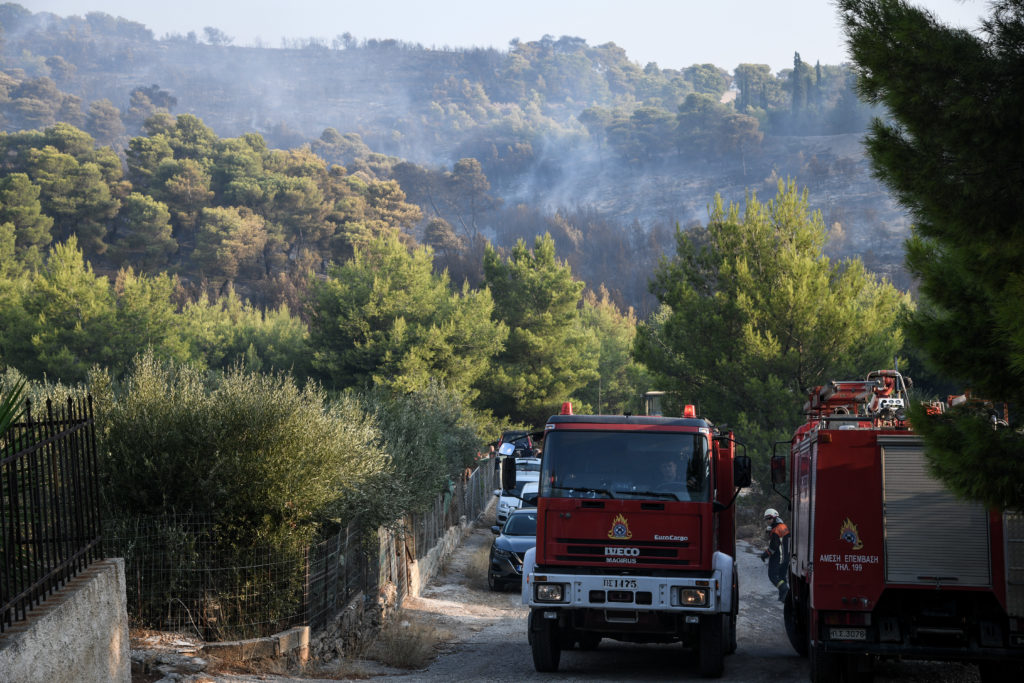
778,469
741,471
508,473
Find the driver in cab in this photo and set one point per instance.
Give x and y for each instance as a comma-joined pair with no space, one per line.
670,475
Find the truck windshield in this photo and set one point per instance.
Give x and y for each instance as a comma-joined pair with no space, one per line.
634,464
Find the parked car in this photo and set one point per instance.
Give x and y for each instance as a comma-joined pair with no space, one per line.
527,465
520,440
514,538
528,497
511,499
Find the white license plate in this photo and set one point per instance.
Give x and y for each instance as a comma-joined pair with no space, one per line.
847,634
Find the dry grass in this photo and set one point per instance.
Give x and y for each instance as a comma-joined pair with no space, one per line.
406,642
477,566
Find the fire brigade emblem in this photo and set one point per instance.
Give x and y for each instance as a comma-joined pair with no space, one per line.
848,533
620,529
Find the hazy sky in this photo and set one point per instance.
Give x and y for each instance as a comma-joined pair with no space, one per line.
673,33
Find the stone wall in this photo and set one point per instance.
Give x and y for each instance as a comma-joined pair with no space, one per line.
421,571
355,627
80,633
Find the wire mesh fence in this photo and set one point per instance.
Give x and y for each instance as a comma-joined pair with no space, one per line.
184,573
466,496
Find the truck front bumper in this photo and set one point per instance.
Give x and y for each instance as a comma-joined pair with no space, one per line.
694,594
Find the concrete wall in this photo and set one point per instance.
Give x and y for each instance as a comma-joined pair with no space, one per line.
79,634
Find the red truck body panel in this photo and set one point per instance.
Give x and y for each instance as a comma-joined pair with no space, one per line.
648,535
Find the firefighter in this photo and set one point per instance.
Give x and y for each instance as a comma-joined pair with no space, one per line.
669,473
777,552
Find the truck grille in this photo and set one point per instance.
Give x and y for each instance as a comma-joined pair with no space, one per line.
648,552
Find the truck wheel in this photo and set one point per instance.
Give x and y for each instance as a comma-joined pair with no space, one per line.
545,643
796,624
711,649
825,666
730,631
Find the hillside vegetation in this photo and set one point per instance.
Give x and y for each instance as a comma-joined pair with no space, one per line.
551,135
488,233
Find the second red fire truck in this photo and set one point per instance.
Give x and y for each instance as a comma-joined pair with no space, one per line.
886,561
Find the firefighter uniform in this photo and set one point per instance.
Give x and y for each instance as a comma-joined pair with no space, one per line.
777,552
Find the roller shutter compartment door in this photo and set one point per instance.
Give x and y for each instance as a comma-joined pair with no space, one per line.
931,537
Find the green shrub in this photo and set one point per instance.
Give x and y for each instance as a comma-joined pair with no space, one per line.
253,451
431,436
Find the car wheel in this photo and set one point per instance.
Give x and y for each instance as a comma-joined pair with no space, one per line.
491,582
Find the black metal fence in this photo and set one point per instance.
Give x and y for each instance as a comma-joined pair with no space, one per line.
49,505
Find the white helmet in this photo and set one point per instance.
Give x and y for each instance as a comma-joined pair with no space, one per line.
770,514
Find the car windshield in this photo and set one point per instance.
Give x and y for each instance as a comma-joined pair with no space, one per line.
626,464
519,440
521,525
533,466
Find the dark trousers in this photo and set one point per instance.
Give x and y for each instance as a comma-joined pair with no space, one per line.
778,566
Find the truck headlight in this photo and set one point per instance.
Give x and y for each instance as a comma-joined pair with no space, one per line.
692,597
549,592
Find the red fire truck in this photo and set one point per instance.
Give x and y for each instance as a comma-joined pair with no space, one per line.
887,562
635,536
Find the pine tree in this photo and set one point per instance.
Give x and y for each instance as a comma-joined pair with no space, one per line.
550,354
951,154
754,315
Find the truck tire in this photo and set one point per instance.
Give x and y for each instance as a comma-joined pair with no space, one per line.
544,644
796,624
825,666
711,648
730,632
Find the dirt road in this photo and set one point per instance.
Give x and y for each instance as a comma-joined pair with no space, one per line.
488,637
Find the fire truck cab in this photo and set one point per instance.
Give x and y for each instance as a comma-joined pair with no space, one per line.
635,536
887,562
